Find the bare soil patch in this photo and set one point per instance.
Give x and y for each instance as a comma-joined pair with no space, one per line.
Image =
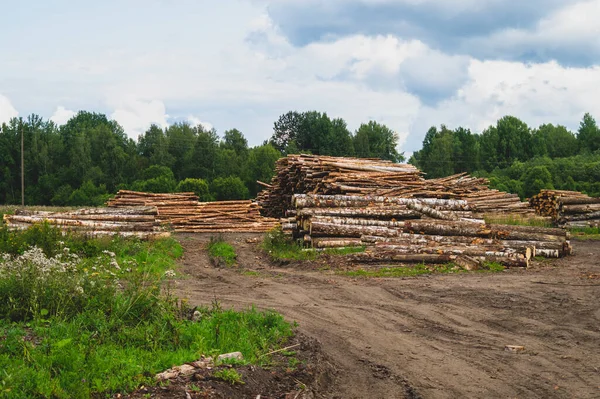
437,336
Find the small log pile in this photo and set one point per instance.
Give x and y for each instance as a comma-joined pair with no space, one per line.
127,222
407,230
567,208
183,213
310,174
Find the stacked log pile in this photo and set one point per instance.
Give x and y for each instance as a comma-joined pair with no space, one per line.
135,221
183,213
309,174
568,208
396,229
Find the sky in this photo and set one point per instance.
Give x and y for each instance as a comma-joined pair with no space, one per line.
410,64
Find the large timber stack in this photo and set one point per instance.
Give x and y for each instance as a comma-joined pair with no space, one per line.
568,208
407,230
183,213
134,221
310,174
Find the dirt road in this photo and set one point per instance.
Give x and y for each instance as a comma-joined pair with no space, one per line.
440,336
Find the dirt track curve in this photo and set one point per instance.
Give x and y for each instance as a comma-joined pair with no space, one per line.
440,336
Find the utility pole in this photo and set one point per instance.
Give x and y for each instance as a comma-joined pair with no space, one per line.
22,166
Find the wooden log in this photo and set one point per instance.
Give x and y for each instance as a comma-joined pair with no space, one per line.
578,209
468,262
431,212
578,200
375,212
337,243
347,201
318,229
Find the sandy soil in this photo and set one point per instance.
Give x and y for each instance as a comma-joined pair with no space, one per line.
440,336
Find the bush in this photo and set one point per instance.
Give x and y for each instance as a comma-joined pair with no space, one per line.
93,326
229,188
197,186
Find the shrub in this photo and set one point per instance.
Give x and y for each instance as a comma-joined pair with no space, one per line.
197,186
229,188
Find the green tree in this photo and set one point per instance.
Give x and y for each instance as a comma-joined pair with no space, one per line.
374,140
198,186
229,188
260,166
588,134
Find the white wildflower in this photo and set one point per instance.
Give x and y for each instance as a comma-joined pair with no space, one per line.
170,273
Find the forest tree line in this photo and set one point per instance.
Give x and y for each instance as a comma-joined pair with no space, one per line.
90,158
517,158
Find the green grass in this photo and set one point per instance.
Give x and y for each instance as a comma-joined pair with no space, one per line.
229,375
103,323
221,253
585,234
517,220
280,247
416,270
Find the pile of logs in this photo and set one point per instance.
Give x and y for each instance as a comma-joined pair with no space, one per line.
135,221
310,174
567,208
183,213
396,229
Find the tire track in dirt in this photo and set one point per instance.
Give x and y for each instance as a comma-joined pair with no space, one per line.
444,334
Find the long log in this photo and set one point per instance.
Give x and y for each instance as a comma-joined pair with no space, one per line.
375,212
319,229
346,201
577,209
431,212
578,200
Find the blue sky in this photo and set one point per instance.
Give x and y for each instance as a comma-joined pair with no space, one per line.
409,64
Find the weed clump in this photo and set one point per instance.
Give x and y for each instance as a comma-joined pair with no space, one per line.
100,320
221,253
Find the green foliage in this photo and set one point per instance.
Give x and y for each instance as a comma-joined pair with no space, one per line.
417,270
229,375
90,157
585,233
281,247
517,220
95,326
220,252
374,140
197,186
588,134
229,188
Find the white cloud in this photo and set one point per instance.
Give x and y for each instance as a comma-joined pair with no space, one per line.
535,93
245,73
62,115
137,115
195,121
7,111
570,33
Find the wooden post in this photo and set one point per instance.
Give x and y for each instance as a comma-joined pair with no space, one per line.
22,166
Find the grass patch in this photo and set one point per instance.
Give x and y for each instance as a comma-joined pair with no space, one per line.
585,233
251,273
229,375
220,252
416,270
103,321
518,220
281,247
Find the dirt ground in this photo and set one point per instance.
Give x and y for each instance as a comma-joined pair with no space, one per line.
438,336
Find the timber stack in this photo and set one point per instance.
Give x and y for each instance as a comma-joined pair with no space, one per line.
310,174
568,208
127,222
183,213
409,230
